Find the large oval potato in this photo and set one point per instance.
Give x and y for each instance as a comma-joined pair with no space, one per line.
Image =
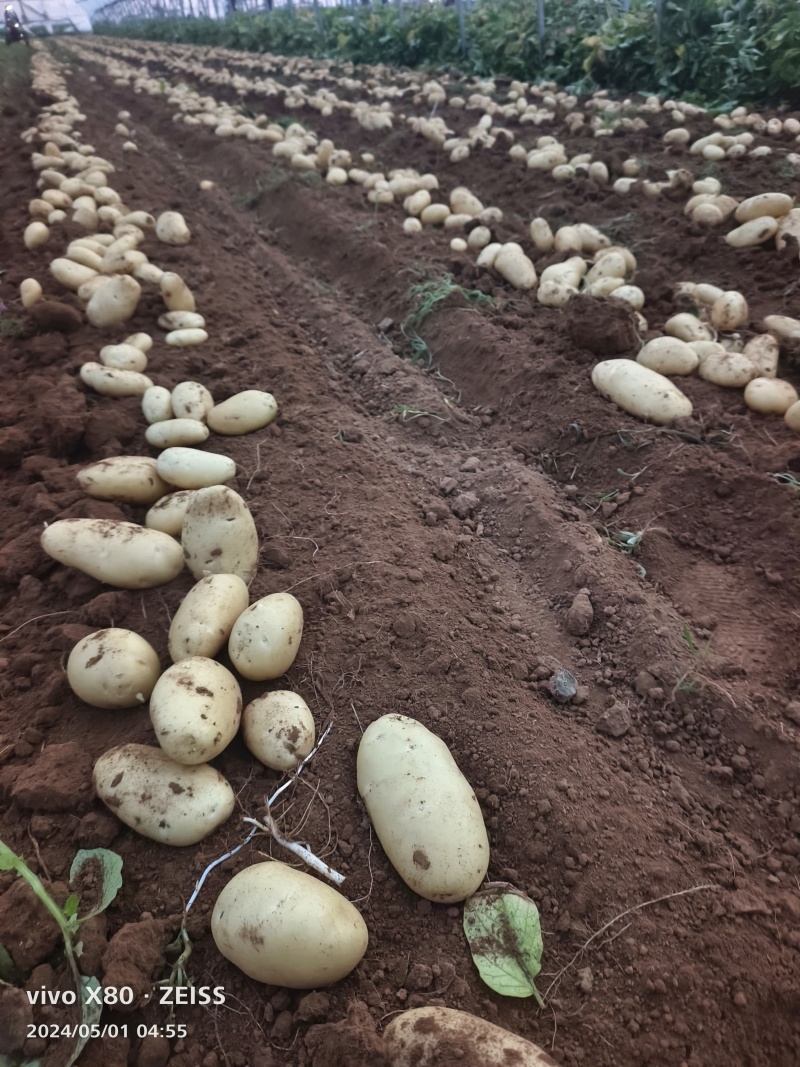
195,708
204,620
283,927
243,413
162,799
640,391
109,381
219,535
115,302
266,637
189,468
128,479
113,668
118,553
443,1037
279,730
668,355
424,810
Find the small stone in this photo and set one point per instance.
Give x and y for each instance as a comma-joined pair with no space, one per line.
585,980
469,466
563,686
614,721
643,683
313,1008
739,999
580,616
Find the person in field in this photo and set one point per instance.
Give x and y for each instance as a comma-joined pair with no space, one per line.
13,27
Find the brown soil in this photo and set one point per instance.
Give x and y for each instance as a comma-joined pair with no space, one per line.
438,558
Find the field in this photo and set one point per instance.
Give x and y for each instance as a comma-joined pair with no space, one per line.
441,482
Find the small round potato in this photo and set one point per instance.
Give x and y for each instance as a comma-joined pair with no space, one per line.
113,668
191,400
266,637
162,799
204,620
195,708
668,355
729,312
770,396
283,927
278,728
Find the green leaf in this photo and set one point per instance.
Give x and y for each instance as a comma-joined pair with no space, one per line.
71,906
8,859
505,938
110,875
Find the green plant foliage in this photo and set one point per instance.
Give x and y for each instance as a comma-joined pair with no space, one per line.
505,938
712,51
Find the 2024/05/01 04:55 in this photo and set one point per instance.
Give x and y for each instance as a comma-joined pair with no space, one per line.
51,1031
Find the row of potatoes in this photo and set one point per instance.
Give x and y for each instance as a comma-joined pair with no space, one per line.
279,925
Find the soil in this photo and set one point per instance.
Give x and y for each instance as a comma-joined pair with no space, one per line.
453,535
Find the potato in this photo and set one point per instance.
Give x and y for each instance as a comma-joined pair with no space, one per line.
171,432
417,202
123,357
185,338
705,295
611,265
553,293
487,255
142,341
171,229
434,215
733,370
788,226
568,238
754,232
441,1037
113,668
108,381
282,927
687,327
630,294
763,352
266,637
127,479
764,204
118,553
541,235
512,264
770,396
243,413
30,292
71,275
189,468
195,708
219,535
602,287
176,293
463,202
115,302
784,327
36,235
191,400
570,272
167,513
479,238
412,225
729,312
792,417
203,622
668,355
423,809
640,391
157,404
160,798
278,728
181,320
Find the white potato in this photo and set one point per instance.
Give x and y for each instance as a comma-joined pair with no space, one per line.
773,204
763,352
171,228
185,338
788,226
733,370
36,235
479,238
611,265
115,302
688,327
124,357
118,553
266,637
435,215
729,312
195,708
439,1037
553,293
512,264
463,202
487,255
128,479
219,535
423,809
792,417
640,391
70,274
770,396
203,622
113,668
412,225
630,294
181,320
157,404
542,235
754,232
704,349
167,514
705,295
784,327
176,293
142,341
30,292
191,400
160,798
243,413
282,927
169,433
278,728
668,355
189,468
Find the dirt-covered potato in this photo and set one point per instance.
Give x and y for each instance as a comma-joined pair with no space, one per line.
203,622
278,728
444,1037
266,637
640,391
128,479
195,708
219,535
118,553
113,668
